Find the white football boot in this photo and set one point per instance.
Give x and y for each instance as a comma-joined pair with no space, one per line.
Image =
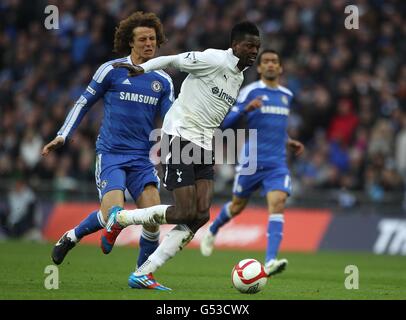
275,266
207,244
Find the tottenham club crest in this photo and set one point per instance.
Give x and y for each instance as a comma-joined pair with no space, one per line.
156,86
179,173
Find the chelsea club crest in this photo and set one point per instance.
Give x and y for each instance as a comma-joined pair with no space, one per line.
103,184
156,86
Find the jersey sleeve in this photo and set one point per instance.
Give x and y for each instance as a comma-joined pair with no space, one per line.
237,111
194,62
167,98
97,88
199,63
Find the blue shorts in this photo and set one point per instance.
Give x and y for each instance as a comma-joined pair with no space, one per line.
265,179
120,172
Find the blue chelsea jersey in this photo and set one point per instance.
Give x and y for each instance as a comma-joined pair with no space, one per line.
270,121
130,107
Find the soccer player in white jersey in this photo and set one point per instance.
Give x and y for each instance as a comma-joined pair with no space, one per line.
266,105
208,92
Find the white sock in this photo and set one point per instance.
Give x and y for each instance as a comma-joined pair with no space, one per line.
151,215
151,236
71,234
173,242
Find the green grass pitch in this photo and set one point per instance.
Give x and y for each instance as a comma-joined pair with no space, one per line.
87,274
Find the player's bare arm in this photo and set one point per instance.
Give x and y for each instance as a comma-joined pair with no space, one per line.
295,146
53,145
253,105
153,64
133,71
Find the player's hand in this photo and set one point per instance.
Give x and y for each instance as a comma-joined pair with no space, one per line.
253,105
54,144
133,71
296,147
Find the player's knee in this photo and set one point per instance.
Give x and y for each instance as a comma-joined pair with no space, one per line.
278,203
151,228
203,208
186,211
191,215
277,208
198,217
236,208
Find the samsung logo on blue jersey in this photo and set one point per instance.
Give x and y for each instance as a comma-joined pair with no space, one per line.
275,110
135,97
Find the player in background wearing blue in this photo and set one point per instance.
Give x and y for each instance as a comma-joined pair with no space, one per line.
266,105
123,145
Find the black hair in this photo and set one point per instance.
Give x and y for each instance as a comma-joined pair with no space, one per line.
124,32
269,51
243,28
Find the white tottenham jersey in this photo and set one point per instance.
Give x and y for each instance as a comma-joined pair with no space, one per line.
206,95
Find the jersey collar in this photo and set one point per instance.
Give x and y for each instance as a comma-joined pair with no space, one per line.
233,60
129,60
264,85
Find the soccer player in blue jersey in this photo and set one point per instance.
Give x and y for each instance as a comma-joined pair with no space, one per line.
123,145
266,105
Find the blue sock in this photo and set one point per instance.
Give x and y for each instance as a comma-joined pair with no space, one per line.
89,225
223,217
149,241
275,233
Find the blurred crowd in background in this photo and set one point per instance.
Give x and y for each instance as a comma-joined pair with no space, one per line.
349,85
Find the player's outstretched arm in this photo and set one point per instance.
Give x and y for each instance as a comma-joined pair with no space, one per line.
153,64
197,63
133,71
97,87
53,145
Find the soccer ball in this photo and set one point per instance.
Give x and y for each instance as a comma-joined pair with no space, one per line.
248,276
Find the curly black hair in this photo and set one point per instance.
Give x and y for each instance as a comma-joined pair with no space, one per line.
124,32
